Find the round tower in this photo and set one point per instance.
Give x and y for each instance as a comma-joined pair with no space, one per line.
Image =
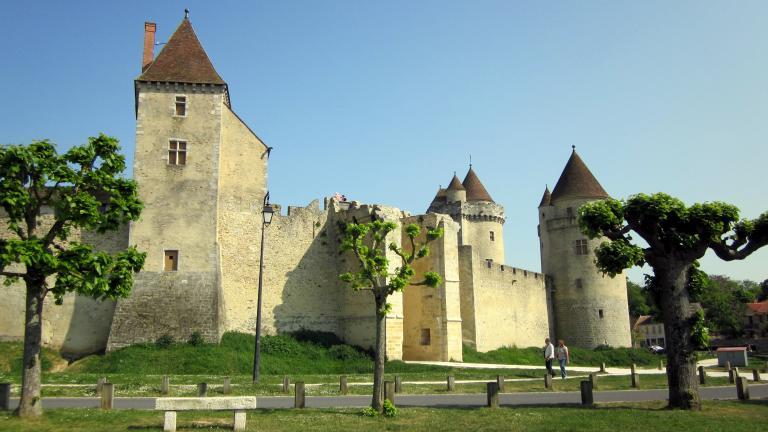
590,309
480,218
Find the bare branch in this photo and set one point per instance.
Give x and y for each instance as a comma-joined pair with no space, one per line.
730,252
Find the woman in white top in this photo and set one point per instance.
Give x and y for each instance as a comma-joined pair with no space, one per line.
563,357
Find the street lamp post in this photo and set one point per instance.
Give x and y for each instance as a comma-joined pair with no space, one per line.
266,214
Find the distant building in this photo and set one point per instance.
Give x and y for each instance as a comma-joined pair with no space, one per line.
756,320
650,332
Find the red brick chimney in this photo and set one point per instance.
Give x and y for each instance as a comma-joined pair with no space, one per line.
149,45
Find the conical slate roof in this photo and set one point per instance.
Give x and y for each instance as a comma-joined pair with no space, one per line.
475,189
455,184
182,60
546,198
577,181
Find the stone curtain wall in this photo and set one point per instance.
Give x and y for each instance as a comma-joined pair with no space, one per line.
301,287
510,305
78,326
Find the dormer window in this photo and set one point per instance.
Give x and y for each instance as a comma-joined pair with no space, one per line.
180,109
177,152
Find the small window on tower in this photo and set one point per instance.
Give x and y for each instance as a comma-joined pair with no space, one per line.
600,313
181,106
177,152
492,238
569,211
171,262
580,247
425,337
579,283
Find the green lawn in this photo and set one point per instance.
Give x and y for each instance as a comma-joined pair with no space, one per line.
716,416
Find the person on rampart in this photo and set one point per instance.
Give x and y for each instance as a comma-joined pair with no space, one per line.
563,357
549,355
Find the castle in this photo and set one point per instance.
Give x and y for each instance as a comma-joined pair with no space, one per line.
202,175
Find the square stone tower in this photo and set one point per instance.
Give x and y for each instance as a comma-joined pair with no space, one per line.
200,171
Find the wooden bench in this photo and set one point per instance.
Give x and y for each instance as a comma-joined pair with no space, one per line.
236,404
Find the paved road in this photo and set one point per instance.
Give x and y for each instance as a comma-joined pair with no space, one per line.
452,400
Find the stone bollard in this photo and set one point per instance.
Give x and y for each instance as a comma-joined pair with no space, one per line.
742,388
299,399
755,375
736,373
5,396
389,391
586,393
702,375
633,368
398,384
226,388
451,383
593,380
661,364
99,384
547,381
635,380
286,384
492,389
202,390
727,365
343,384
500,382
602,367
107,395
165,386
731,376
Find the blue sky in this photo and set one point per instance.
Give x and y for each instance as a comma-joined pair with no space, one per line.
383,101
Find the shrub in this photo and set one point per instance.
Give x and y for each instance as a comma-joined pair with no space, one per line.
369,412
345,352
280,344
324,339
389,408
196,339
165,341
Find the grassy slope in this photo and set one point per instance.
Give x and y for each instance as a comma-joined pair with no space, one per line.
11,354
716,416
579,356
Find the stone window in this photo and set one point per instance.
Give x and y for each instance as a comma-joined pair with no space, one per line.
492,238
600,313
177,152
180,107
579,283
171,262
569,211
580,247
425,337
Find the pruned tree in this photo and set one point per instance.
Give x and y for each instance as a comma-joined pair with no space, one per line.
83,189
676,236
367,241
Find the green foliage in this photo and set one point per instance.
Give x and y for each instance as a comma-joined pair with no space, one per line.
369,412
366,241
699,330
724,300
389,409
613,257
196,339
698,281
640,300
86,189
599,216
165,341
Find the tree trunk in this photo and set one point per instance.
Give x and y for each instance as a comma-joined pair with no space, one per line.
378,363
678,324
30,404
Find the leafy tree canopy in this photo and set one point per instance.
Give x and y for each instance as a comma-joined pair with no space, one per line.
85,189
